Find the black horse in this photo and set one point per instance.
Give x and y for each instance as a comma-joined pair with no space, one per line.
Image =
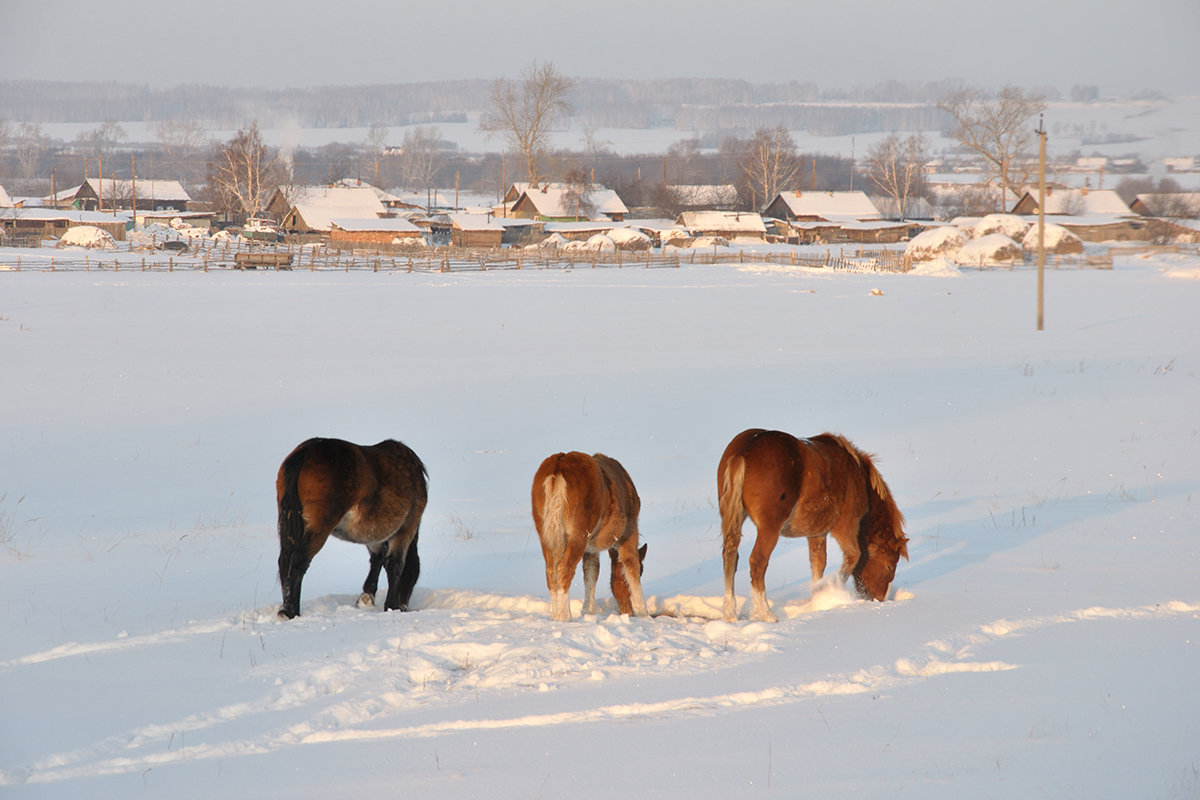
373,495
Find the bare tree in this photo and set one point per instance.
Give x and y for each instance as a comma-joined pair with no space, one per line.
181,140
523,114
375,147
997,129
897,168
31,143
769,164
99,141
243,173
421,156
577,199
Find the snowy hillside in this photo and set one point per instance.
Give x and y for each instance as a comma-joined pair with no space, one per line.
1043,641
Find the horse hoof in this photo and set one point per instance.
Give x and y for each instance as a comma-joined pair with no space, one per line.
285,614
366,600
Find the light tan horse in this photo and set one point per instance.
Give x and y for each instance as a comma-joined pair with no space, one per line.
373,495
807,487
582,506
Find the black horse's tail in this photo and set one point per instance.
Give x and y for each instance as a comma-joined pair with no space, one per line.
291,513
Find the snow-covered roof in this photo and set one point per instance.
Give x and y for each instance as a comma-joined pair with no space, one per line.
831,206
474,222
726,221
369,224
1077,202
41,213
552,200
353,183
120,187
5,200
318,206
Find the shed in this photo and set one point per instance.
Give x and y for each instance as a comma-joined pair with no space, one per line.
313,208
729,225
475,230
375,230
53,223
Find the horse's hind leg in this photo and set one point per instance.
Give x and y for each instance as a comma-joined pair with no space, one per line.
294,559
371,585
403,568
818,556
760,557
591,571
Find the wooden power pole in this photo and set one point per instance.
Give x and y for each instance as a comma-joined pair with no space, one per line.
1041,278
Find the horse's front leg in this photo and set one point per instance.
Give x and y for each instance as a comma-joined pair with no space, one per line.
591,571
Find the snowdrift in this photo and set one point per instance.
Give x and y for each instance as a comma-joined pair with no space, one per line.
935,242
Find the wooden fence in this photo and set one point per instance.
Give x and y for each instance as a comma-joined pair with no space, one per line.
225,256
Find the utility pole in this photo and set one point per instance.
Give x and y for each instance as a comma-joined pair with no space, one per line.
1041,278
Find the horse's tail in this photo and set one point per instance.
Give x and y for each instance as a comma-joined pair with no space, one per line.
733,510
291,511
554,506
883,516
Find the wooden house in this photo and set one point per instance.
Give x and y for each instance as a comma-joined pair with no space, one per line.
52,223
313,208
475,230
822,207
374,230
117,194
562,202
731,225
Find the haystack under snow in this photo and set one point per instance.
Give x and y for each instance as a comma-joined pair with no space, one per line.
990,250
629,239
935,243
88,236
1059,240
1010,225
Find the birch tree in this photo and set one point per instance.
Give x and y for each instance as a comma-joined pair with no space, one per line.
897,168
524,113
243,173
769,164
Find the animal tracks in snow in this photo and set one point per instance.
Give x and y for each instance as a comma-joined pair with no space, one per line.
359,672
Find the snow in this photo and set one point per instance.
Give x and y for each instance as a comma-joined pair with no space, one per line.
1010,225
1055,238
1042,641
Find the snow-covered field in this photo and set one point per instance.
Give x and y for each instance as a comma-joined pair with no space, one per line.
1043,641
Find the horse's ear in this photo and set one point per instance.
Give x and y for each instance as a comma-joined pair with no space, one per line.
642,552
904,547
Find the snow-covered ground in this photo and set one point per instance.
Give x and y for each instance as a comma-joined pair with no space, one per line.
1043,641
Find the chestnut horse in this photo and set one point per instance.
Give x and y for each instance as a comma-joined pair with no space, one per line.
807,487
583,505
373,495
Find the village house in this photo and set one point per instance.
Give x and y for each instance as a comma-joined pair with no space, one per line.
1185,205
312,209
377,230
797,206
1094,215
475,230
52,223
118,194
562,202
730,225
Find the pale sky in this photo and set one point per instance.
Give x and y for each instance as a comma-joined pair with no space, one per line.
1121,47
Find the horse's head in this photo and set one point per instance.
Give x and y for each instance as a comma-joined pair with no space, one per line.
877,569
620,586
